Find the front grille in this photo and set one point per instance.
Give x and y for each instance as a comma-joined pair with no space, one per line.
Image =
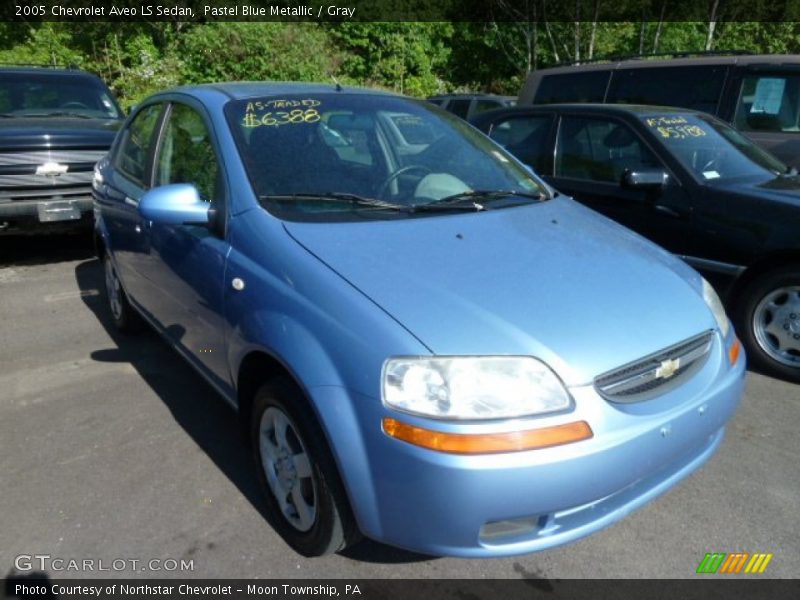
39,157
19,181
657,373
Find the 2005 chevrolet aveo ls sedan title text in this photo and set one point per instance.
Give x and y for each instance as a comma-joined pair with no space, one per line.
426,344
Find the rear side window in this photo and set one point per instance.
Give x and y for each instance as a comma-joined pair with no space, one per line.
137,141
589,86
484,105
698,88
769,103
525,137
459,108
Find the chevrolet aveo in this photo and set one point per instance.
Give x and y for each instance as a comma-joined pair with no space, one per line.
426,344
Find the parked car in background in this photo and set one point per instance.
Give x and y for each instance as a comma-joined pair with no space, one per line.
380,291
55,124
758,94
690,183
467,106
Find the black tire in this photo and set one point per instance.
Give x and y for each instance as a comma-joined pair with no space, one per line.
768,322
123,315
314,517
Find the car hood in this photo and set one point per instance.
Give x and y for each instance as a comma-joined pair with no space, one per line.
553,280
24,133
785,189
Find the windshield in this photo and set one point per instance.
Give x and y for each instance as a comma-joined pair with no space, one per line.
713,151
53,95
339,155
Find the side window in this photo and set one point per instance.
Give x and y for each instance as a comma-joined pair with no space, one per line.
589,86
598,149
525,138
460,107
484,105
698,88
137,141
769,103
186,154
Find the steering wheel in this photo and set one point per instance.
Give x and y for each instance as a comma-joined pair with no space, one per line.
402,171
74,105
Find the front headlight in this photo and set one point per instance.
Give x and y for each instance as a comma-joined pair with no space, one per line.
472,387
715,304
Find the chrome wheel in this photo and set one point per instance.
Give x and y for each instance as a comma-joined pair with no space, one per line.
776,324
287,469
113,290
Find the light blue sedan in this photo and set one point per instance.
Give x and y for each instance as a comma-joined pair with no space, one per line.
426,344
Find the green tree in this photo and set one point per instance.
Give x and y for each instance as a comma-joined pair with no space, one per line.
255,51
410,58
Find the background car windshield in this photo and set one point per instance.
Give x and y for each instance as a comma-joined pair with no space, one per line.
713,151
379,147
43,95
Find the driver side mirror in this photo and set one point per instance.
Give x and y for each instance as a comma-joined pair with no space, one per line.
175,204
644,178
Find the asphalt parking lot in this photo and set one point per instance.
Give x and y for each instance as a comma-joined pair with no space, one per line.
112,448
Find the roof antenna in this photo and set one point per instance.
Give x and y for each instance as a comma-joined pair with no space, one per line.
338,85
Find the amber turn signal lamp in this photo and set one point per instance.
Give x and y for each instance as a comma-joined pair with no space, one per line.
735,349
488,443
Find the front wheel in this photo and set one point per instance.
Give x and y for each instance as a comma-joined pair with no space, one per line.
125,317
769,322
304,494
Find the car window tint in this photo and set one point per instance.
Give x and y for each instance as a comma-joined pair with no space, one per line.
599,149
186,154
589,86
484,105
525,137
769,103
136,143
698,88
459,108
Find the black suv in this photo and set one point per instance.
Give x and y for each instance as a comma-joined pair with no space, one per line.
690,183
55,124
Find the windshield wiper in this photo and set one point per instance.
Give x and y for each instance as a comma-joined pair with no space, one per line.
338,198
7,116
473,200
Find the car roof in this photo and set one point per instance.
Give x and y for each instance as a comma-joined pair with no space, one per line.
470,95
44,70
632,109
241,90
655,62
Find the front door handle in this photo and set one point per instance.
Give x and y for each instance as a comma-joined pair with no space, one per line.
668,210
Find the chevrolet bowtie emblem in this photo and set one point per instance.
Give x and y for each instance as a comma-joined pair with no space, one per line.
667,368
51,169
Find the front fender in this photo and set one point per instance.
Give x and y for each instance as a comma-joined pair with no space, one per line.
335,406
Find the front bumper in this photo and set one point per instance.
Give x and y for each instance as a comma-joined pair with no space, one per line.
513,503
46,214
